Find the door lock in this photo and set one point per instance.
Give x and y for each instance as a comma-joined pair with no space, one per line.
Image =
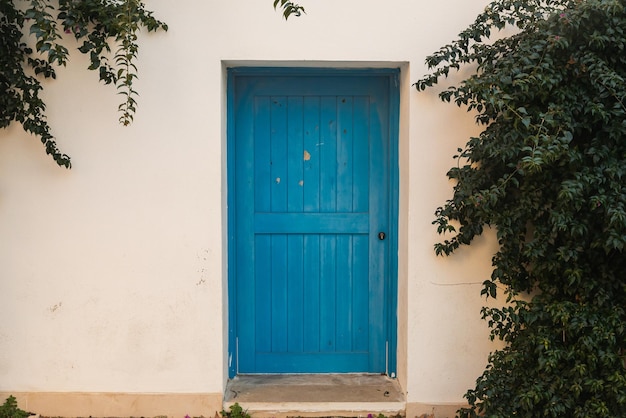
381,236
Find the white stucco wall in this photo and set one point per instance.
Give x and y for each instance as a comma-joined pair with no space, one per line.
113,273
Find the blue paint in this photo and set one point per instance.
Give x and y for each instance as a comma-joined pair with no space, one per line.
312,177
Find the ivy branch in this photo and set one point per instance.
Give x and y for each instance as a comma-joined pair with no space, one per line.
124,57
289,8
96,25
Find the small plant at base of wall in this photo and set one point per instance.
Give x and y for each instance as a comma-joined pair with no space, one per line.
10,409
235,411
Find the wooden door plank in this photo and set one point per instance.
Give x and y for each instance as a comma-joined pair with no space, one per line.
328,292
360,293
361,190
328,154
311,276
343,310
295,293
263,294
379,216
361,154
311,154
295,154
278,150
344,154
243,210
262,155
278,301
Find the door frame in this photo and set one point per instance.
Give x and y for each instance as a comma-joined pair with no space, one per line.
391,287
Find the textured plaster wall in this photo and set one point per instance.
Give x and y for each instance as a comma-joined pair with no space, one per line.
112,274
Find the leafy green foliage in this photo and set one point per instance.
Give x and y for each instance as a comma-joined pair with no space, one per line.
547,173
235,411
98,24
289,8
10,410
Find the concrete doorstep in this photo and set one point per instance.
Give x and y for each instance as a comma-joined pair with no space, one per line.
328,395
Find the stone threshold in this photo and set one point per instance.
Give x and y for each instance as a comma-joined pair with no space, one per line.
316,395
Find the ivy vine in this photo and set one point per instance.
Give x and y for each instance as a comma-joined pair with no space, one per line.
548,172
96,25
106,31
289,8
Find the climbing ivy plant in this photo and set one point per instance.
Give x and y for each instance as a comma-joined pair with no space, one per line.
106,31
548,173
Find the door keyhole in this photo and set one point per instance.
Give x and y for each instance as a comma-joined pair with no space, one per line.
381,236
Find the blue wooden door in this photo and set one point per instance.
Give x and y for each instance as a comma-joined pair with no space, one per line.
309,189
